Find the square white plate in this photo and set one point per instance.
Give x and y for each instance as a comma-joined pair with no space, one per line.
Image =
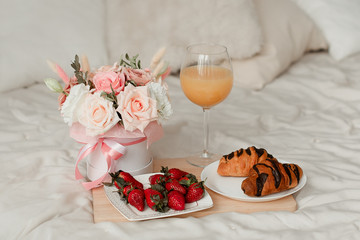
132,214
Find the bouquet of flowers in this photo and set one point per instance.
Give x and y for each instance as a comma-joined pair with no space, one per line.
118,101
123,94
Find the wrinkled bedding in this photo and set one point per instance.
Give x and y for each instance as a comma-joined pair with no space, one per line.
310,116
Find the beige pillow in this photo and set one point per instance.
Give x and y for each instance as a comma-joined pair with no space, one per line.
288,33
142,27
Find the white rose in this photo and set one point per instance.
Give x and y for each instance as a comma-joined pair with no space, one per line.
73,102
158,92
97,114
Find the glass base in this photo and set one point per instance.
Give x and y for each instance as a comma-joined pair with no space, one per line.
203,159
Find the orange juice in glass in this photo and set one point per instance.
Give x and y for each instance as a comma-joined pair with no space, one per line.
206,86
206,79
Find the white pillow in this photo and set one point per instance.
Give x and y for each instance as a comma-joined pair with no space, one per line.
143,27
340,23
33,31
288,33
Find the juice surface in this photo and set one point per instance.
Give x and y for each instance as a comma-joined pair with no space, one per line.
206,86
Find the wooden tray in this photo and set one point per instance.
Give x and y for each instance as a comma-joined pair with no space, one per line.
104,211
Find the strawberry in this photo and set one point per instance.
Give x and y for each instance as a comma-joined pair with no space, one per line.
176,200
187,180
174,184
195,192
129,178
174,173
121,179
157,178
136,198
155,200
126,190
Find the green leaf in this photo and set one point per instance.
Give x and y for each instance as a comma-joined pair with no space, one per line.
109,99
121,182
158,188
91,84
108,184
132,82
77,71
132,62
112,90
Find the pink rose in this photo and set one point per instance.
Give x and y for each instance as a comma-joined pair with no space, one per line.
136,107
97,114
139,76
103,80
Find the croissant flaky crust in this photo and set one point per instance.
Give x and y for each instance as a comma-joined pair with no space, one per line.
239,163
271,176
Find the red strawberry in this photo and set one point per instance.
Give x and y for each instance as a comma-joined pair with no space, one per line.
174,184
195,192
129,178
136,198
155,200
188,179
176,200
127,189
174,173
156,178
121,179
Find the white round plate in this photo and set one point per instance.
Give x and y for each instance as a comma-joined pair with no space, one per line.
231,186
132,214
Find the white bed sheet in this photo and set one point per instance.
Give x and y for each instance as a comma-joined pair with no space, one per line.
309,116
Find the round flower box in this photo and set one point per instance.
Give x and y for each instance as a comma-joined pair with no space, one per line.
136,159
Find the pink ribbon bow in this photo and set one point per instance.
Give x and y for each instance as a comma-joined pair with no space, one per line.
111,149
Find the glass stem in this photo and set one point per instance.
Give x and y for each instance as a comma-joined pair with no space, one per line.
205,153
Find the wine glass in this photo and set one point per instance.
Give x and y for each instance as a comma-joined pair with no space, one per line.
206,79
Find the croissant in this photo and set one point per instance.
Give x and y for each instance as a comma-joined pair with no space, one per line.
239,163
271,176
